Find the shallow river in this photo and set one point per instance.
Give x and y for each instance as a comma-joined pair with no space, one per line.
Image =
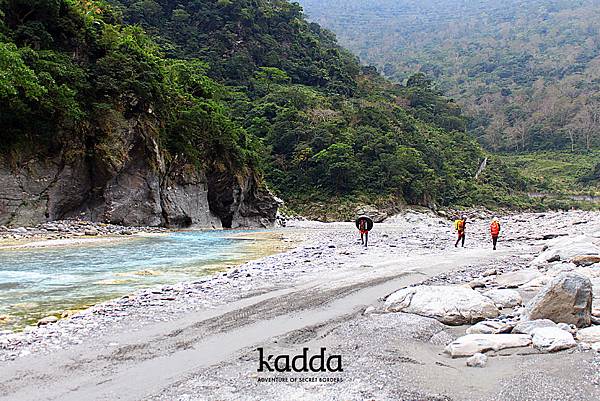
38,282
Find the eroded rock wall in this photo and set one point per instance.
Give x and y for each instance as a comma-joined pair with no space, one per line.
137,188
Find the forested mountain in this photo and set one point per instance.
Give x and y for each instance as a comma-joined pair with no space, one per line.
96,122
168,112
329,127
527,72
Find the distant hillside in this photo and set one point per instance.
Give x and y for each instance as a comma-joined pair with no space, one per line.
527,72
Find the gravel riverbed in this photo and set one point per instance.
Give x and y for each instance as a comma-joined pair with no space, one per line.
330,255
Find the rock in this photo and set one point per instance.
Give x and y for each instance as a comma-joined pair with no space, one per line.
586,260
490,327
566,249
490,272
552,339
530,326
504,297
477,284
477,361
474,343
517,278
91,232
569,328
589,334
141,189
369,310
596,347
449,305
47,320
4,318
566,299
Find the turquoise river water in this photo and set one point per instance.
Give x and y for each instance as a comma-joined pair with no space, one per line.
36,282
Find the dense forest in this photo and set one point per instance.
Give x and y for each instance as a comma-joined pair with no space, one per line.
526,72
328,126
236,84
71,73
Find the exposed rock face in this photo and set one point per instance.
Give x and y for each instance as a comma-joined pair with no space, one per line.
449,305
566,299
130,184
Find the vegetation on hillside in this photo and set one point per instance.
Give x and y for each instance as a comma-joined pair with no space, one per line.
237,83
329,127
72,74
527,73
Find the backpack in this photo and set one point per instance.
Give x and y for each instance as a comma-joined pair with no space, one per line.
495,228
458,225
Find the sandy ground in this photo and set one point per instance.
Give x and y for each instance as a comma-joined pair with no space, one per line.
312,296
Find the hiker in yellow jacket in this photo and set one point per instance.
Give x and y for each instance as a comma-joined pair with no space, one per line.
459,226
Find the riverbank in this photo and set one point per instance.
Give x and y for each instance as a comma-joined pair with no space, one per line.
69,232
45,280
197,340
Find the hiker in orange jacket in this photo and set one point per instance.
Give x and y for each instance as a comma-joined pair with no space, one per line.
459,226
495,231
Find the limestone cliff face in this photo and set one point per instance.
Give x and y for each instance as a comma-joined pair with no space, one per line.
125,180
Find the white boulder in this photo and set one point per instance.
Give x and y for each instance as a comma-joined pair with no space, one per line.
473,343
504,297
552,339
449,305
530,326
589,334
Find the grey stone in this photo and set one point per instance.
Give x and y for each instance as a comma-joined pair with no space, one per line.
490,327
586,260
47,320
566,299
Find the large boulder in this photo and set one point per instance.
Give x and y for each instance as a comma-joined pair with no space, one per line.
552,339
449,305
473,343
566,299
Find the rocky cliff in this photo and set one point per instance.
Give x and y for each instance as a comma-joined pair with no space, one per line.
126,179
